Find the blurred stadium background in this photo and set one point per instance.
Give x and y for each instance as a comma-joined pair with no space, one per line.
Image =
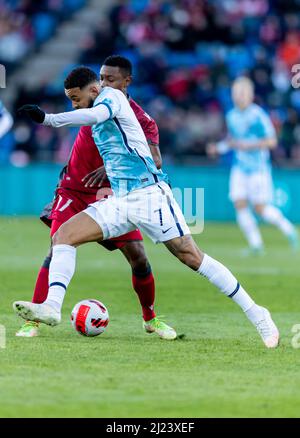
185,55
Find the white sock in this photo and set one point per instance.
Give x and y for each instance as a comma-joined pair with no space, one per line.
61,271
273,216
255,313
221,277
248,225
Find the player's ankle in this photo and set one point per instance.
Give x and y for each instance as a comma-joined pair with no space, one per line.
56,306
148,316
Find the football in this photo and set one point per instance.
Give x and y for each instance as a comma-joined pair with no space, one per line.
89,317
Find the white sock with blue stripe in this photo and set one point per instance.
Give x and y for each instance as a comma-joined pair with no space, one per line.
225,281
61,271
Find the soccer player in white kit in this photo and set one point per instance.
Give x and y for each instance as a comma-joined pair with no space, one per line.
251,137
142,199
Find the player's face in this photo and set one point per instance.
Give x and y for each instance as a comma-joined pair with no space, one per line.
114,77
242,95
83,97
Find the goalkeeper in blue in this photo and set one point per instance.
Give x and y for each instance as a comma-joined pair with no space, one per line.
251,135
142,198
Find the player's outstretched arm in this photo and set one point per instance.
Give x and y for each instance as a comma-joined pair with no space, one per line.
264,143
80,117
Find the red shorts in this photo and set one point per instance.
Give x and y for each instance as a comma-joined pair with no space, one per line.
67,203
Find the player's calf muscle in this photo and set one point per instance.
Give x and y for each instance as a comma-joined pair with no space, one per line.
185,249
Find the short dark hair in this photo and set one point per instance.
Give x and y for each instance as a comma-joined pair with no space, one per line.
119,61
80,77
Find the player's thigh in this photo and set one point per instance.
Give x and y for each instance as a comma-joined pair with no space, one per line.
156,213
79,229
111,215
240,204
260,188
238,186
186,250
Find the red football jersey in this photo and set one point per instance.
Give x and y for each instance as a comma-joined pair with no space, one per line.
85,156
148,124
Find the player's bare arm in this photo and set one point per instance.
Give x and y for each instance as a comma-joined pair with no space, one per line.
156,155
267,143
79,117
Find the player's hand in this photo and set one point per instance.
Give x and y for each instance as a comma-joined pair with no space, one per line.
211,150
95,178
34,112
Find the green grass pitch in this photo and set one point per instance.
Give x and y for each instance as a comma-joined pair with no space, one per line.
221,368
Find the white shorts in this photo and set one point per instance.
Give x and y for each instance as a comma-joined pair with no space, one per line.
256,188
152,209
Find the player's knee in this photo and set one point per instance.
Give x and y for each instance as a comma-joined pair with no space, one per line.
135,254
62,236
143,266
139,263
240,204
142,270
259,209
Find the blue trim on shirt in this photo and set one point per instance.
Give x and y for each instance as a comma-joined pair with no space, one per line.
123,135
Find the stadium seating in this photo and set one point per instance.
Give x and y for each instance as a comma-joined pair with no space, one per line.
185,54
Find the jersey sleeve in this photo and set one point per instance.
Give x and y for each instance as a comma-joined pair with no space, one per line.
109,98
85,134
150,129
267,126
79,117
148,124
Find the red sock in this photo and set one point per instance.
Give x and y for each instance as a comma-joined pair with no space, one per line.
145,289
41,287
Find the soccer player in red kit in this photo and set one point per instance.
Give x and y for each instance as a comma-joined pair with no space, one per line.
83,181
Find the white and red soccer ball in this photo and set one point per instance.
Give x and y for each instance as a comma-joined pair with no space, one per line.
89,317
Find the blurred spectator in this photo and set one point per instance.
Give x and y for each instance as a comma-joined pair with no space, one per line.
185,54
25,24
6,122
